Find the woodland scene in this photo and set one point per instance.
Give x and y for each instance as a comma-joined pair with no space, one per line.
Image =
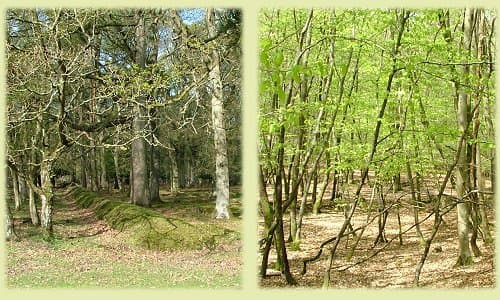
123,147
377,148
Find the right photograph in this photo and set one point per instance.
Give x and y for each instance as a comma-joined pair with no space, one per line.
377,148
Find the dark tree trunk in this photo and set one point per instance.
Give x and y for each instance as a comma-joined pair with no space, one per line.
140,180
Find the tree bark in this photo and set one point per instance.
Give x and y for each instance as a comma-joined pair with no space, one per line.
118,181
174,172
140,182
462,185
46,196
220,143
10,233
35,220
104,173
15,188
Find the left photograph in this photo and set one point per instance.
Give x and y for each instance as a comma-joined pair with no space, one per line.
123,148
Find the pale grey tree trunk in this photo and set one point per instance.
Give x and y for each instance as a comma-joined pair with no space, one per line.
15,188
23,190
10,233
35,220
104,173
220,143
174,172
46,196
462,172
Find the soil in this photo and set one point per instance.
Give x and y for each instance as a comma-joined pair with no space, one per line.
394,266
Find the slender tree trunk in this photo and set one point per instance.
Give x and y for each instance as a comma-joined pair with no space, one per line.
462,179
278,211
174,173
83,168
154,178
317,204
462,185
15,188
118,181
484,225
35,220
104,173
10,233
23,191
94,179
415,202
154,183
382,216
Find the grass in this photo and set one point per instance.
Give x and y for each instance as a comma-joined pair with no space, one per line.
62,270
88,251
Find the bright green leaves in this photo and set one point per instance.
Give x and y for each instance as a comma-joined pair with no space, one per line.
296,72
278,59
420,112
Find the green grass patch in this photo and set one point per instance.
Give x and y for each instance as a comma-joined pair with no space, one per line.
151,229
61,267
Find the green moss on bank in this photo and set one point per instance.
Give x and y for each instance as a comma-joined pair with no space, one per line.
150,229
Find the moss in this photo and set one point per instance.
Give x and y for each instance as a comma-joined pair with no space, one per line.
464,260
295,246
150,229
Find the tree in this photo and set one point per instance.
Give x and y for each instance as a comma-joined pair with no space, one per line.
114,90
350,109
140,176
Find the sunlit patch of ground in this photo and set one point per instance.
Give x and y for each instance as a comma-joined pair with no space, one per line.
392,267
87,253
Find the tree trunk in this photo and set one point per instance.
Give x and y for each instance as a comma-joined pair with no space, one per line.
118,182
15,188
483,203
83,168
35,220
140,183
154,173
46,196
174,173
154,182
221,161
10,233
462,173
104,173
415,202
94,180
462,179
23,190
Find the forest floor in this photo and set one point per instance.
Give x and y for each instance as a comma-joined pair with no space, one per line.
86,252
395,265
